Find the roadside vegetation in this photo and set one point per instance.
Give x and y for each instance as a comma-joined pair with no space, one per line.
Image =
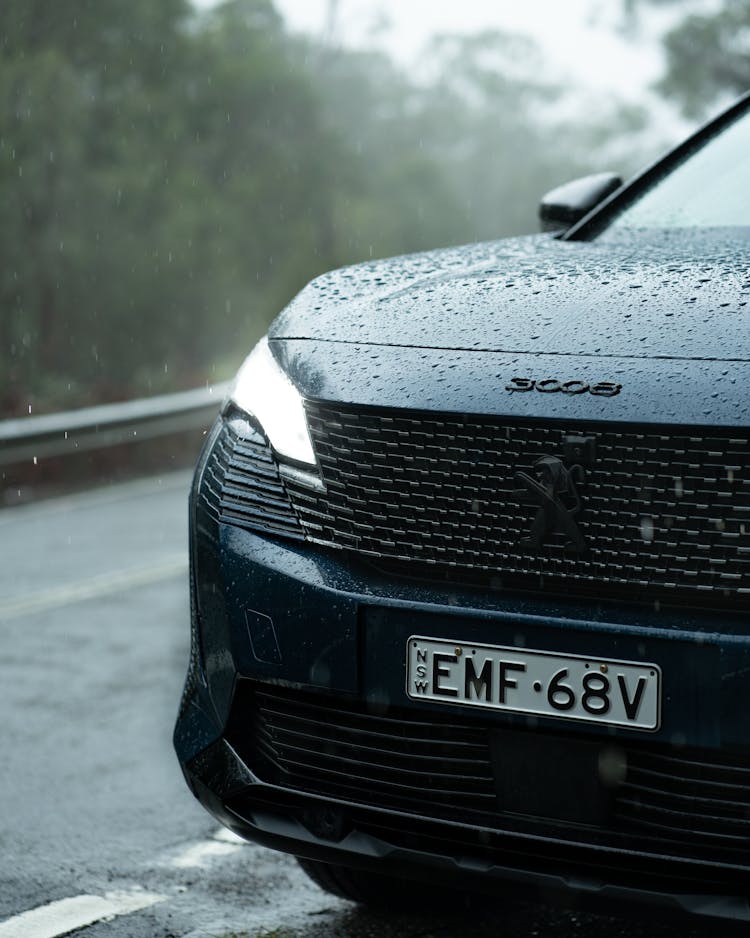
170,178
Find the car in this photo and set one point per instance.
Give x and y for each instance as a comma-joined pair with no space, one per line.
470,561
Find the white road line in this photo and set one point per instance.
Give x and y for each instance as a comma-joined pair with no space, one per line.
226,836
94,587
223,843
201,854
66,915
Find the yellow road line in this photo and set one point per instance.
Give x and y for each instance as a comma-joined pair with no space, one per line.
113,582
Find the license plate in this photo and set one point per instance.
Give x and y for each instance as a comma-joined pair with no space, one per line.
521,680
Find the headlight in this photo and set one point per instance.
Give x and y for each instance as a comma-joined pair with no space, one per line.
263,390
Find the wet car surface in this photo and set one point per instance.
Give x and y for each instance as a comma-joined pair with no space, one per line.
469,566
91,754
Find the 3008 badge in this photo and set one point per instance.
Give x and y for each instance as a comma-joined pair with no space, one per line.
553,386
522,680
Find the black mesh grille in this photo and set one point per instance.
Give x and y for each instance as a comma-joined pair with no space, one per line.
664,512
687,806
399,764
241,484
684,797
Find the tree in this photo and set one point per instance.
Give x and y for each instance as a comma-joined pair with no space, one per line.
155,199
707,53
169,179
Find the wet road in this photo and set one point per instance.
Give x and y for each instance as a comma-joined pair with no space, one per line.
96,818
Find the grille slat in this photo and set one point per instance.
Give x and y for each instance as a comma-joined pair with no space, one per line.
721,806
451,734
297,739
695,769
359,755
399,780
705,826
693,784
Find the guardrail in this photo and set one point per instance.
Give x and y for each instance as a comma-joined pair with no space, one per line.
93,428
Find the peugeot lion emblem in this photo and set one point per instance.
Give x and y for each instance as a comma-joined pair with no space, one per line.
553,487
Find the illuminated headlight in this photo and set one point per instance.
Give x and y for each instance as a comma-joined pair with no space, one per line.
263,390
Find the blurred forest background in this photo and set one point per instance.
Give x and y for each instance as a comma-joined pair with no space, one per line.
169,178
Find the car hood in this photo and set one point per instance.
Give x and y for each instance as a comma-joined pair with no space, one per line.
629,298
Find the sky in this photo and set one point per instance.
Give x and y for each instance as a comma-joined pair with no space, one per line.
583,46
578,37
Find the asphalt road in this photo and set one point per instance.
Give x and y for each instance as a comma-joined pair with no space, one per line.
96,823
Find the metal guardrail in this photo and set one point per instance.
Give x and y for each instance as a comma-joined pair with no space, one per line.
92,428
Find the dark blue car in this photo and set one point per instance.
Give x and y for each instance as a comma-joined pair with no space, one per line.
470,560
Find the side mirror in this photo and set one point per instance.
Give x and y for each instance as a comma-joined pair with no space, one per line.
564,206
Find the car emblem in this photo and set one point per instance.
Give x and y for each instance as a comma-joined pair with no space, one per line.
553,487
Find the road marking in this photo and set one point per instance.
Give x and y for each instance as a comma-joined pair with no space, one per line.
223,843
229,837
94,587
66,915
202,853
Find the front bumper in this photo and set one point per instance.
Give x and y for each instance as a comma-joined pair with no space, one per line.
460,857
315,630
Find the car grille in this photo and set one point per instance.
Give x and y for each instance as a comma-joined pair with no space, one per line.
241,484
687,806
665,512
399,764
666,515
688,798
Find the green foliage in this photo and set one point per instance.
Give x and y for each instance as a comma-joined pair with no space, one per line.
707,53
708,57
169,179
